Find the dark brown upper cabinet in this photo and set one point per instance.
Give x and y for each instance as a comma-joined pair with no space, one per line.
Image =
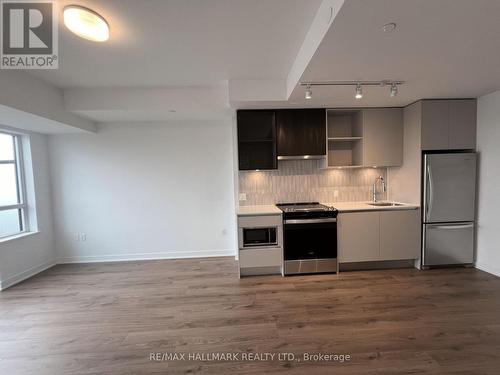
256,139
301,132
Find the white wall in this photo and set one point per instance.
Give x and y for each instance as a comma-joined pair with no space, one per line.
144,191
26,256
488,138
27,102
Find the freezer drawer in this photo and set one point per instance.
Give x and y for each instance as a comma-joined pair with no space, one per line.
448,243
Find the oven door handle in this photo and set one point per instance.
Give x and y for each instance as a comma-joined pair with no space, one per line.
310,221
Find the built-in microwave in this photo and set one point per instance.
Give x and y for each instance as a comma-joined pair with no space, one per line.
259,237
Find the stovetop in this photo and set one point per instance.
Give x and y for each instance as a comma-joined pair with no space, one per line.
306,210
303,207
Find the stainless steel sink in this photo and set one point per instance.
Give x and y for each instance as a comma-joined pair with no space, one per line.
385,204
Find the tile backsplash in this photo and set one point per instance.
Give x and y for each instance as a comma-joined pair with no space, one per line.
304,181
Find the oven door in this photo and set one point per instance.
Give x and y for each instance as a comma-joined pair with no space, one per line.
310,239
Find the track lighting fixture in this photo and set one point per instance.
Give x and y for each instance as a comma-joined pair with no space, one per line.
359,91
394,90
357,84
308,92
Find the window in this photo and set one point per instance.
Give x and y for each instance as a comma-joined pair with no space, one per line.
12,191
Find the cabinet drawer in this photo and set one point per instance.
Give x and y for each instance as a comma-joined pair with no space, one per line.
260,221
266,257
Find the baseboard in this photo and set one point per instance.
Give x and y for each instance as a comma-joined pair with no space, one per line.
376,265
146,256
485,268
4,284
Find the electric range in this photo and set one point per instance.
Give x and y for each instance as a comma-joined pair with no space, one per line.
310,238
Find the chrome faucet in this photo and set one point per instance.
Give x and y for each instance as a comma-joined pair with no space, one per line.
375,187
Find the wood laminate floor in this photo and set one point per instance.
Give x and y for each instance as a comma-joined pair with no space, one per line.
108,318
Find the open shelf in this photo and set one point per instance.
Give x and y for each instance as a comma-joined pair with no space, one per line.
344,154
345,138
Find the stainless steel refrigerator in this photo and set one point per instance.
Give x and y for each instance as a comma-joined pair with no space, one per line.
449,206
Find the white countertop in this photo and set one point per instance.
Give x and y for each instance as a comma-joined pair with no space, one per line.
268,209
365,206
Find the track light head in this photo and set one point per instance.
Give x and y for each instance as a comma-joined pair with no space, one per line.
359,91
308,92
394,90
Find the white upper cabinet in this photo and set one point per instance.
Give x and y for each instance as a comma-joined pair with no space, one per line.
449,124
462,130
382,137
435,124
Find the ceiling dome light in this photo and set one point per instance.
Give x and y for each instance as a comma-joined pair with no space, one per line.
359,92
86,23
309,92
389,27
394,90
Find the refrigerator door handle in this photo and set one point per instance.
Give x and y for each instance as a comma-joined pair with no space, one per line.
429,193
451,227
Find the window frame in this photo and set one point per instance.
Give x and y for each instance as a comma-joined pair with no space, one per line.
22,206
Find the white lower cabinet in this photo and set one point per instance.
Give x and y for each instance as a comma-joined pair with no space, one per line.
255,258
378,236
358,236
399,235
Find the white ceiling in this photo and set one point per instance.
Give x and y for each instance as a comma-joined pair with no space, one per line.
184,42
441,48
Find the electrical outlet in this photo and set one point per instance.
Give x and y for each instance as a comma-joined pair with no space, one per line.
242,197
335,193
76,236
83,237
